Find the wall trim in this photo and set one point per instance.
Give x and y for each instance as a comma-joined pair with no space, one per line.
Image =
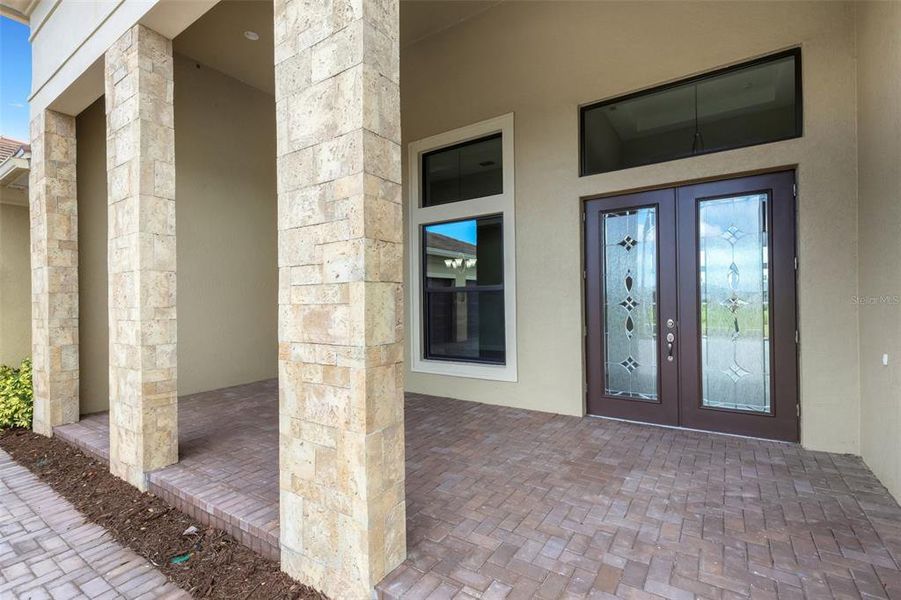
81,44
44,19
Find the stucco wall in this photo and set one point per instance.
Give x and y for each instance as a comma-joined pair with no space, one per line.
93,319
225,218
879,151
15,282
226,228
540,61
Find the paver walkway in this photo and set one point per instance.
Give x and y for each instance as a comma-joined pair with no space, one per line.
47,550
520,504
227,470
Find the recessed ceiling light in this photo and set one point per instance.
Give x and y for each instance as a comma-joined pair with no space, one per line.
253,36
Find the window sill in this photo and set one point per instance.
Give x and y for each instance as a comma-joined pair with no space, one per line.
465,369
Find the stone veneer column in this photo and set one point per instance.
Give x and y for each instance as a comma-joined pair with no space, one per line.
54,271
340,247
140,163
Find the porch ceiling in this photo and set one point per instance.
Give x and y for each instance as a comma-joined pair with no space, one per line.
217,38
420,19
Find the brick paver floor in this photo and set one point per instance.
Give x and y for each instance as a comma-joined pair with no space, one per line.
512,503
506,503
227,474
47,550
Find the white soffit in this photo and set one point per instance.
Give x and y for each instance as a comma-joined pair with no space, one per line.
69,39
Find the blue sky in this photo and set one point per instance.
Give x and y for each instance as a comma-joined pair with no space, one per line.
462,230
15,79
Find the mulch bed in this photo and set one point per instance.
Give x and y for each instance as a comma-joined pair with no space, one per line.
217,565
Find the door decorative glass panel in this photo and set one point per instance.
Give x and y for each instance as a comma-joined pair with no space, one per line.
630,303
734,303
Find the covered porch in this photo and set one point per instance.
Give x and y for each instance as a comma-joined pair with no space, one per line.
381,247
505,502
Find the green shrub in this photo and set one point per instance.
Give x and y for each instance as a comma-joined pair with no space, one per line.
16,398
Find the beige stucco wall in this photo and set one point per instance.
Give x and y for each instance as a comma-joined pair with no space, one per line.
225,218
541,60
93,319
15,279
226,228
879,151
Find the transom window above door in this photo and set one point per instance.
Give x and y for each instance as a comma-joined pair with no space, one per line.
755,102
463,309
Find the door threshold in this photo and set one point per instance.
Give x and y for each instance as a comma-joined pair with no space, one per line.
680,428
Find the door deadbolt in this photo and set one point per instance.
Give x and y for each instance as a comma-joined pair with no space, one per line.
670,338
670,323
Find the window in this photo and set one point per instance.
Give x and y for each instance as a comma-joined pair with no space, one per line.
463,266
469,170
463,310
752,103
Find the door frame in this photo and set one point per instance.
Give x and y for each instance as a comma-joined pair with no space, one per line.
789,428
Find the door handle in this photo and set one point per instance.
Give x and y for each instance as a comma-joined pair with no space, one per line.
670,342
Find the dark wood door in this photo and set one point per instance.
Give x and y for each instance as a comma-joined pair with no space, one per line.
630,297
719,337
738,356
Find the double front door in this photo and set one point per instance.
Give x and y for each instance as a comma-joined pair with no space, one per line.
690,299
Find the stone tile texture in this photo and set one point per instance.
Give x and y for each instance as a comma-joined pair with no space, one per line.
340,250
47,550
507,503
54,270
142,272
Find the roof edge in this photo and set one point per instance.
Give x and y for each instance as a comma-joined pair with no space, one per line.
12,13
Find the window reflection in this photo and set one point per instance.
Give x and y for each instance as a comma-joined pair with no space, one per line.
464,293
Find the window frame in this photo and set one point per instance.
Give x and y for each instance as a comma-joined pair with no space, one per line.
427,290
761,60
420,216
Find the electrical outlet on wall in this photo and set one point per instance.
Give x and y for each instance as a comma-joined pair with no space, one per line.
885,360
